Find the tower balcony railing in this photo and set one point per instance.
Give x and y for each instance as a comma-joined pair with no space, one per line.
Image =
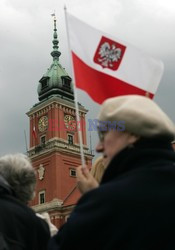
57,144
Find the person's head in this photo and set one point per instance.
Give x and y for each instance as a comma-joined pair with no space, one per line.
124,120
98,168
17,170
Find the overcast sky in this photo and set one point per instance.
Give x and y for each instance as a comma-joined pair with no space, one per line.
26,30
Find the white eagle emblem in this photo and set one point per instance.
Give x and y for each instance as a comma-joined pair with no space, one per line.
108,55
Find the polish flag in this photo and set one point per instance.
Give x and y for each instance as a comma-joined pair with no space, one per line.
34,133
105,66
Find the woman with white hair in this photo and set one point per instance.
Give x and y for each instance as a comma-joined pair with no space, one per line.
19,173
20,228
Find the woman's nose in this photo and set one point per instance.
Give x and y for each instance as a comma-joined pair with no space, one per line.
99,147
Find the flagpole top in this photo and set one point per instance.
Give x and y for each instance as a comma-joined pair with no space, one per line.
55,53
54,16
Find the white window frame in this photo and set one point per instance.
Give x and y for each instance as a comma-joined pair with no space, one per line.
39,196
70,172
68,135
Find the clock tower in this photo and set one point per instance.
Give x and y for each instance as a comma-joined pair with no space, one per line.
54,143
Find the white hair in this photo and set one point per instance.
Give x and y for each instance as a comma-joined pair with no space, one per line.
17,170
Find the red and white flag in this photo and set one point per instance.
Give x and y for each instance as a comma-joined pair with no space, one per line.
105,66
34,133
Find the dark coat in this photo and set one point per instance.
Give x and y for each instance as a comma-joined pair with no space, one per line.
134,207
20,228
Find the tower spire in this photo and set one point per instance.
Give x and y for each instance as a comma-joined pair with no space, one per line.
56,81
55,53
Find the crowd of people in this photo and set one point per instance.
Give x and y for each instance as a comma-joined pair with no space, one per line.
127,197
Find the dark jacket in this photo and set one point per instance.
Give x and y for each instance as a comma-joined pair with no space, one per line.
134,207
20,228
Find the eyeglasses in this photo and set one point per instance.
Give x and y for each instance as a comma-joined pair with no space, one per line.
101,135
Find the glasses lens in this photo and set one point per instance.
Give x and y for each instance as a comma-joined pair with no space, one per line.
101,135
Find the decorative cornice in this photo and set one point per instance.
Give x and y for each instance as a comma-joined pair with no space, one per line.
54,102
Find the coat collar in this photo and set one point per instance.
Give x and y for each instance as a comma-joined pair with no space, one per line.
144,153
4,186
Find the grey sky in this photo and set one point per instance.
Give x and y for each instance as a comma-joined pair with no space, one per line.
26,29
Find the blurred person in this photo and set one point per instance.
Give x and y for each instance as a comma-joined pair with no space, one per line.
20,228
173,145
133,208
98,168
88,180
45,216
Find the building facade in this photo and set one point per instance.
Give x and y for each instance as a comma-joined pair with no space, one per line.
54,142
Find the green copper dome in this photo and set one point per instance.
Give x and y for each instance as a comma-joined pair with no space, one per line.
56,81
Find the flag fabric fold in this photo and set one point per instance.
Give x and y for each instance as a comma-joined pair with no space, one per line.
105,66
34,133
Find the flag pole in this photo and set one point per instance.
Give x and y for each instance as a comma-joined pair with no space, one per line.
25,138
75,94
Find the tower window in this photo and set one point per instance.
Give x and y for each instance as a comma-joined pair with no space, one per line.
44,82
44,85
73,172
70,139
41,197
66,82
43,140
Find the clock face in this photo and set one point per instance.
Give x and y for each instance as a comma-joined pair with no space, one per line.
70,122
43,123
